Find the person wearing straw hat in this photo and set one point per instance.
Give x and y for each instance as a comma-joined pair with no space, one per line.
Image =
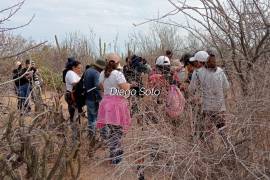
93,96
113,114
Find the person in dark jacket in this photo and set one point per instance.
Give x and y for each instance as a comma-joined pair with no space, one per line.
93,97
22,84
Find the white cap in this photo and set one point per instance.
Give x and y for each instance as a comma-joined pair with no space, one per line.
163,61
201,56
192,59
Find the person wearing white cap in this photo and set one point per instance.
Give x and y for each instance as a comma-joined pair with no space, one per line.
199,59
212,83
163,65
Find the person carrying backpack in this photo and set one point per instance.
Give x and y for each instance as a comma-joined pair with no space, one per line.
160,78
92,94
113,113
213,85
72,77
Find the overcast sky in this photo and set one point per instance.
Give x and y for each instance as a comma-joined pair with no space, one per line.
106,18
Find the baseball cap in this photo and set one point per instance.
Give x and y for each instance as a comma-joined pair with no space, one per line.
163,61
192,59
201,56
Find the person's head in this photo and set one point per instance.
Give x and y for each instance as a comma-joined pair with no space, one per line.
185,58
144,61
69,63
190,65
18,65
163,64
169,54
77,67
99,65
113,62
200,58
211,63
27,63
87,66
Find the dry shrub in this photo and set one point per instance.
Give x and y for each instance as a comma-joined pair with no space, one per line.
37,146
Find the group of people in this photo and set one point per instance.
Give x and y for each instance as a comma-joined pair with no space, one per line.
197,76
27,84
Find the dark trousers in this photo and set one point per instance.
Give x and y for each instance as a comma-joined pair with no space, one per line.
71,107
112,135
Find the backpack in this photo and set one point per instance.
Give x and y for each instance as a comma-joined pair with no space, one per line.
78,93
156,80
64,75
175,102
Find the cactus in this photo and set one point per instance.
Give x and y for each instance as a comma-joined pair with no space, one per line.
100,48
104,49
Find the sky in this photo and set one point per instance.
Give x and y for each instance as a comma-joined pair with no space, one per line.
106,18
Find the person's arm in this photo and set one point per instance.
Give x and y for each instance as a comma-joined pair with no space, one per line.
74,79
226,84
124,86
121,81
101,81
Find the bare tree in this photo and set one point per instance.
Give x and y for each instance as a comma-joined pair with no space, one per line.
239,30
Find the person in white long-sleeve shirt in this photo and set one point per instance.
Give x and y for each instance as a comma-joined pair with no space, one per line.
212,84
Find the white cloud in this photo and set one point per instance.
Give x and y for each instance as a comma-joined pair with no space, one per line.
106,17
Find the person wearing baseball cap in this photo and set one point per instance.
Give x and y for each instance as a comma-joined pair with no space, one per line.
212,83
199,59
163,64
113,114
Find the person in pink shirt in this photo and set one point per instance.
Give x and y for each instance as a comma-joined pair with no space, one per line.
113,114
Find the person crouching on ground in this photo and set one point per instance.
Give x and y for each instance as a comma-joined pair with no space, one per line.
71,78
113,114
93,96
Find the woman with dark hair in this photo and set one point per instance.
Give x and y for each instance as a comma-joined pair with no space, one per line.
113,114
72,77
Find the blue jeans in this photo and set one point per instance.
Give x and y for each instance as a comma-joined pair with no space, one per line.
23,94
92,110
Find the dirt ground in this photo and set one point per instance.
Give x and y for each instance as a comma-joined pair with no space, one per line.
97,167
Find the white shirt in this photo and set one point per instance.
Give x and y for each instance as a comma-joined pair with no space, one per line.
71,78
213,86
111,84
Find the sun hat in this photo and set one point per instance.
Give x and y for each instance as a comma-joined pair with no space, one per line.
113,57
100,64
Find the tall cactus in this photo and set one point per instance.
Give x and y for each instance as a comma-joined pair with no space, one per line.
100,48
104,49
